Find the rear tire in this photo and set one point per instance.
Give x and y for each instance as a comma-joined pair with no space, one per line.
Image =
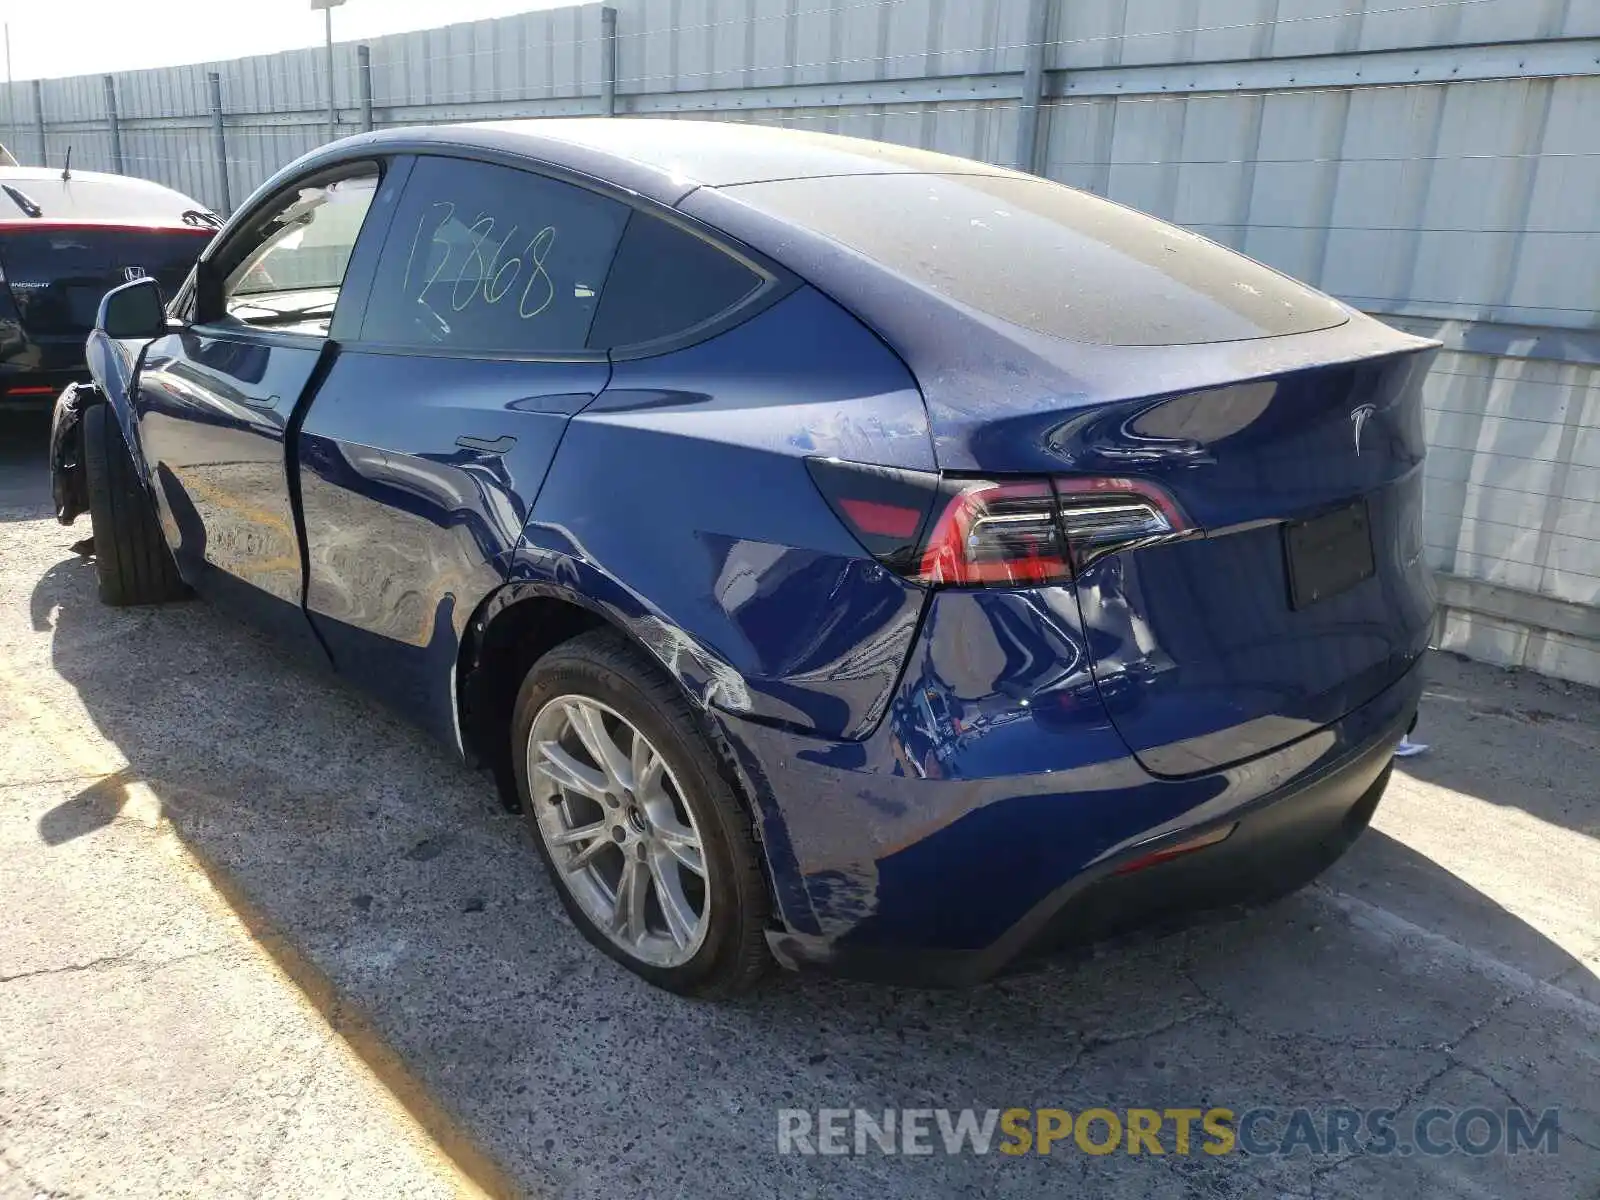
132,561
679,797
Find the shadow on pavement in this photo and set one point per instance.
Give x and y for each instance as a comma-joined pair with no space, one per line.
94,808
394,872
24,465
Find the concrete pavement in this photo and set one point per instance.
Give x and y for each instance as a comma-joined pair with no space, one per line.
259,938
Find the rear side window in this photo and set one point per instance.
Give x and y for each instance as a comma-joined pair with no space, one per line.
485,258
666,281
1049,258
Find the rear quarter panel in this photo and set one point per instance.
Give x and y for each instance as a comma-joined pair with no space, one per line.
680,505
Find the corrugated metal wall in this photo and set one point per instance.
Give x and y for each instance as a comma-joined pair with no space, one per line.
1433,161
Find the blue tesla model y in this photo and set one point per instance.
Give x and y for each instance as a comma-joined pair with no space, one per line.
878,561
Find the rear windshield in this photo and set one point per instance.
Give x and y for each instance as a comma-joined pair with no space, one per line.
1051,258
57,275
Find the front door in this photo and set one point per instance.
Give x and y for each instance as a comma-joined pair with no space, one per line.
216,401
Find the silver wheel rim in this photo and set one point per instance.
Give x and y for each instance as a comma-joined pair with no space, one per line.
613,818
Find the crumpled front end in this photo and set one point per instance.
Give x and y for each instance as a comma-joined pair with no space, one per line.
69,485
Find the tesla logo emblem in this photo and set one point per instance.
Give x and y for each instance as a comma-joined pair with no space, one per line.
1359,419
129,274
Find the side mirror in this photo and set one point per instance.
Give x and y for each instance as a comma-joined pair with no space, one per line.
134,310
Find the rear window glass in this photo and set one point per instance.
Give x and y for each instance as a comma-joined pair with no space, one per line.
1050,258
57,276
664,281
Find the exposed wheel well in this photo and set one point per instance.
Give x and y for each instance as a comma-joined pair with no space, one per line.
493,666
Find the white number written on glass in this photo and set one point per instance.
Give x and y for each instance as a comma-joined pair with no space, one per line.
493,276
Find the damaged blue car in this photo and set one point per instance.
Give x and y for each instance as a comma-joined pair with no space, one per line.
877,561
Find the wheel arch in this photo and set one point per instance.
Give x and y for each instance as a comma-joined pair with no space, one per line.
69,485
512,629
522,621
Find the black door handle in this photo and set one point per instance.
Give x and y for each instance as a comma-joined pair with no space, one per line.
499,445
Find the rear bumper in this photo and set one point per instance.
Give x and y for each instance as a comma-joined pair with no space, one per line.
987,818
1275,845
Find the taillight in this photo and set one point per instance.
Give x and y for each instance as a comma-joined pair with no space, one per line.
993,533
1101,516
885,507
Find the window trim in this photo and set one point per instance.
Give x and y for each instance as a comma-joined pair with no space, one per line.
181,306
776,284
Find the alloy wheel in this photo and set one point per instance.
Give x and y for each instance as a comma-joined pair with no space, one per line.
616,825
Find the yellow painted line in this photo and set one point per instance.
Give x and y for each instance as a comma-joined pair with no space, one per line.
448,1149
261,516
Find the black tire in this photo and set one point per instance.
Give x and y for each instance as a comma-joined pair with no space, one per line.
603,666
131,559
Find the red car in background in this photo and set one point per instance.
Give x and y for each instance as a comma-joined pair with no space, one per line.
66,238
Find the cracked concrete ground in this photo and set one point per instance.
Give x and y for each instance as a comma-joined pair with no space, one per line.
258,938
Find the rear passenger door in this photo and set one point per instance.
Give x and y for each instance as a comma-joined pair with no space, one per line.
430,437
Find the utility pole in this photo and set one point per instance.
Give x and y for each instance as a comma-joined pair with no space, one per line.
608,61
11,101
327,7
1032,107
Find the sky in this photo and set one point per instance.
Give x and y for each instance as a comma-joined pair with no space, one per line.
79,37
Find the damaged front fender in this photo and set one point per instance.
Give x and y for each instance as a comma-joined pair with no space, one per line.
69,485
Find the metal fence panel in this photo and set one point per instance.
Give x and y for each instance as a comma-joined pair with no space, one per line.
1111,33
1432,161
